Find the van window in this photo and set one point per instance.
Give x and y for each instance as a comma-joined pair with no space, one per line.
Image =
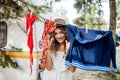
3,34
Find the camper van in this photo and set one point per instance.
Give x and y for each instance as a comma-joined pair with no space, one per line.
13,40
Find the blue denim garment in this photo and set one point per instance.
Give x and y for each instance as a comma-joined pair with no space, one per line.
91,51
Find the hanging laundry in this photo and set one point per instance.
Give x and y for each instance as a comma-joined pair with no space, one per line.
49,27
92,51
30,19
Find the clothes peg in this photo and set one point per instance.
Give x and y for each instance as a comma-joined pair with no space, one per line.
31,14
86,28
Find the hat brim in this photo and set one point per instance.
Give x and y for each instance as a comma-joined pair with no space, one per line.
60,25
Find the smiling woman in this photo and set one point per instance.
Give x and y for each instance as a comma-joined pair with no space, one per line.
58,44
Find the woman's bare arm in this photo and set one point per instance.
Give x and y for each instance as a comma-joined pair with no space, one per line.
49,64
72,68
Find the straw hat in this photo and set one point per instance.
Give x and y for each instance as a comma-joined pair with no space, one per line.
60,21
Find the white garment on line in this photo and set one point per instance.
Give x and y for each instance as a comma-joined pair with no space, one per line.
60,70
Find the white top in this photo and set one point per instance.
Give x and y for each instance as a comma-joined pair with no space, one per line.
60,70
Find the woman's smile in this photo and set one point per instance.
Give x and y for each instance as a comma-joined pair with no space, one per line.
59,35
61,39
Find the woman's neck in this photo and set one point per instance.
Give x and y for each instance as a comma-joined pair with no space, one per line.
62,47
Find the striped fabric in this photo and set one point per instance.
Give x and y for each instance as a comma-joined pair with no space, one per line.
91,51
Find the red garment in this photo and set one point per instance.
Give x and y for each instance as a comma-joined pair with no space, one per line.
30,19
49,27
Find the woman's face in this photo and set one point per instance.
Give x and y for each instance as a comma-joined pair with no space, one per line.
59,35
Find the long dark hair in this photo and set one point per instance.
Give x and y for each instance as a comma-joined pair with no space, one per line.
55,44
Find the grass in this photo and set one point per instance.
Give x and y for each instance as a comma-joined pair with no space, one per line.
108,75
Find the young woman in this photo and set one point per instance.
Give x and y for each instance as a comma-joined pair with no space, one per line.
55,68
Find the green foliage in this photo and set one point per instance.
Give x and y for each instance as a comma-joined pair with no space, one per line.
90,14
108,76
118,70
6,61
118,7
78,5
41,9
19,8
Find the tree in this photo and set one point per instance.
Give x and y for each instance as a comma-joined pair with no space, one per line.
112,4
113,14
90,14
18,8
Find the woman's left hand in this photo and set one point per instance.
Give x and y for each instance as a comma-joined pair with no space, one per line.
67,45
72,69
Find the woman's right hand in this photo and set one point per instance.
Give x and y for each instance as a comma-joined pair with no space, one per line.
50,41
